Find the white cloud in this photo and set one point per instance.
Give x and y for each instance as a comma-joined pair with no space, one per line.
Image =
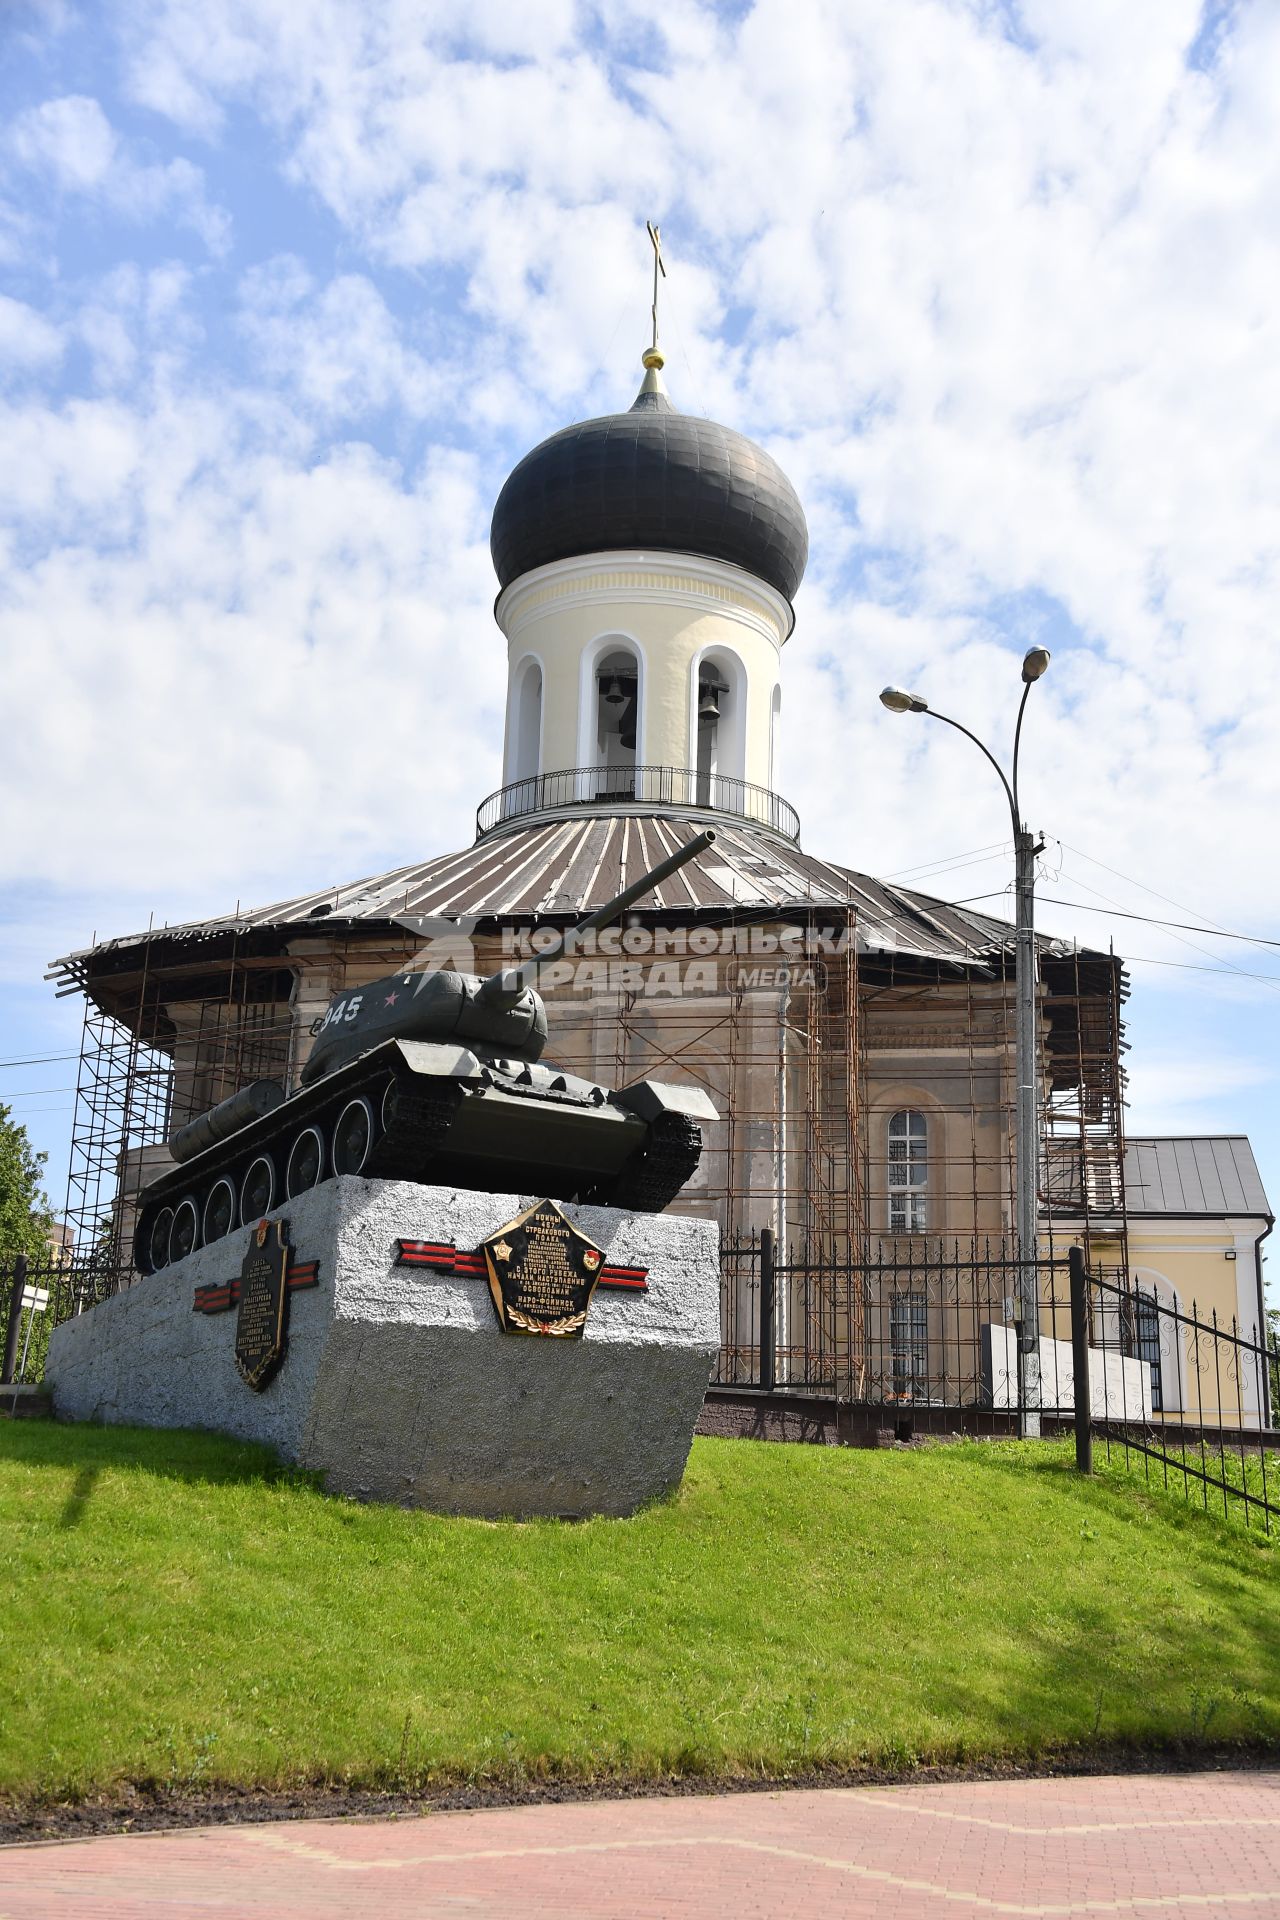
71,141
70,138
996,284
1193,1091
26,338
239,653
338,348
999,293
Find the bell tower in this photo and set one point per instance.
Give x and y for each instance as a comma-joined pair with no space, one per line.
647,563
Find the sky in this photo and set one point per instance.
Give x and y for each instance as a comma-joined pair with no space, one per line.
287,288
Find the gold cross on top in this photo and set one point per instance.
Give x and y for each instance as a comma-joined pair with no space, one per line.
659,267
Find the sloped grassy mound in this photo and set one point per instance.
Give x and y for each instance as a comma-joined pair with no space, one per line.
179,1610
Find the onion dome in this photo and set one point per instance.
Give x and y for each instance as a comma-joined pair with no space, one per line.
653,479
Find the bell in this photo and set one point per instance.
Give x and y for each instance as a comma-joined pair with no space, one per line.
708,706
627,739
613,694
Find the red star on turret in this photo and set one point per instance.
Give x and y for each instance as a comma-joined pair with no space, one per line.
391,999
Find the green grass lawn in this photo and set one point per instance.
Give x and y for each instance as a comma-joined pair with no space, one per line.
178,1610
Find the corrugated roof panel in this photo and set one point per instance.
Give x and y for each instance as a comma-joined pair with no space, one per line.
567,867
1194,1196
1203,1176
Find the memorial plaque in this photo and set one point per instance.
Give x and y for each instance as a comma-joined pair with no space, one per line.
542,1273
263,1293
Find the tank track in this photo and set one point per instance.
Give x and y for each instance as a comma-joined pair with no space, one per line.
411,1119
657,1174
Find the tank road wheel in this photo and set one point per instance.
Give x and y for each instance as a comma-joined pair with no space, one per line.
184,1234
219,1211
390,1102
158,1239
305,1168
353,1137
142,1228
257,1190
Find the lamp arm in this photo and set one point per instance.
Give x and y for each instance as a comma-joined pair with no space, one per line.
1017,742
986,751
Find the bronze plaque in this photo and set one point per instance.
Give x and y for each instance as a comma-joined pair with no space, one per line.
542,1273
263,1293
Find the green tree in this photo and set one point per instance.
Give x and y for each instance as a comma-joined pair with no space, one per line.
25,1218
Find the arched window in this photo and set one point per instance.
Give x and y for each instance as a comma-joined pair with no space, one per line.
908,1181
526,723
775,714
617,721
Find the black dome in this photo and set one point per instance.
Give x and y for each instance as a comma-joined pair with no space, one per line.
651,478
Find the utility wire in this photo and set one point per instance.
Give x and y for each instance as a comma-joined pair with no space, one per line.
1190,966
1150,919
1136,959
920,874
1181,938
946,860
37,1059
1141,884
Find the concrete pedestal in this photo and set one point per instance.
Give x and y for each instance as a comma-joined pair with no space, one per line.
397,1383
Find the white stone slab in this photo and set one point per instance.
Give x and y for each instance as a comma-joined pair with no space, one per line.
1119,1388
397,1383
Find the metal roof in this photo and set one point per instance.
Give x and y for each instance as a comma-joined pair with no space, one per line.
560,869
651,479
1188,1174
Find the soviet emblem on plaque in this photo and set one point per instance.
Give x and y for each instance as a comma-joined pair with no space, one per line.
542,1273
264,1283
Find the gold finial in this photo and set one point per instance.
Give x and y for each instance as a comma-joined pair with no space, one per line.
653,357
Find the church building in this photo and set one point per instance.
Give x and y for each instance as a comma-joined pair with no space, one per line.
856,1038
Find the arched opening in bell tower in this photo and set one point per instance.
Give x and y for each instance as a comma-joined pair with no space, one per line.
614,720
719,722
524,723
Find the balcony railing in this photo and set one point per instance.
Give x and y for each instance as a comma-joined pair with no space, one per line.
635,787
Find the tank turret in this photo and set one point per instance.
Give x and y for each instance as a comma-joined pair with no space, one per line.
434,1077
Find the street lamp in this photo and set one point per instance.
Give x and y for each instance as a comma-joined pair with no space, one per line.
1034,663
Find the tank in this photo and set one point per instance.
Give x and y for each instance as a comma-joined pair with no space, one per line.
439,1078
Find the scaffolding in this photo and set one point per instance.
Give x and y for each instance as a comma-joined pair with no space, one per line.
1082,1120
122,1107
807,1041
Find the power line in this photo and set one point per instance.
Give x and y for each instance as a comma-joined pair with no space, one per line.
1189,966
937,865
37,1059
1142,959
1181,938
1141,884
1151,919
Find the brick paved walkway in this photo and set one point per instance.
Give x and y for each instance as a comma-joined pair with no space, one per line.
1161,1845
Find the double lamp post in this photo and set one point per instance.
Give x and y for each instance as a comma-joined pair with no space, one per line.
1025,1116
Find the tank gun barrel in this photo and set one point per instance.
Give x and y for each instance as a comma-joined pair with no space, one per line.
505,986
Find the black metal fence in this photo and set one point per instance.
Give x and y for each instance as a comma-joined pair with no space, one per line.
36,1296
910,1324
649,786
1188,1397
